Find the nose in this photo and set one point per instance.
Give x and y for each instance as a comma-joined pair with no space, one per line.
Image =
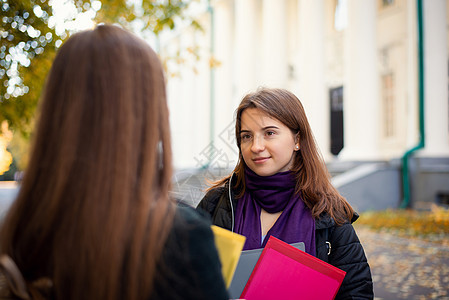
258,145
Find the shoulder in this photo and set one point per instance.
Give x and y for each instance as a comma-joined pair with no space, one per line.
191,236
218,206
218,193
325,221
345,233
211,199
190,267
192,232
187,217
214,194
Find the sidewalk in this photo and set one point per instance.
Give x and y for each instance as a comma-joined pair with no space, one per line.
404,268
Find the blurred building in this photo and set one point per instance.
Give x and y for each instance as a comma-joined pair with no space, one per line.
354,64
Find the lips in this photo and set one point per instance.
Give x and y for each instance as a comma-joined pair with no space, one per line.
259,160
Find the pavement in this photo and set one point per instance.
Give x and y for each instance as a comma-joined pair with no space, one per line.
406,268
402,268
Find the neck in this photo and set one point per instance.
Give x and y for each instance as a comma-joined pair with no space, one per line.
267,220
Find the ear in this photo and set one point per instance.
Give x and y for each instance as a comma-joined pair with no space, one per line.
297,140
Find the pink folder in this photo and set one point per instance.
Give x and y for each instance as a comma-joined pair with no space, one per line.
285,272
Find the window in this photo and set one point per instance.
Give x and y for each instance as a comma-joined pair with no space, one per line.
389,106
387,2
336,120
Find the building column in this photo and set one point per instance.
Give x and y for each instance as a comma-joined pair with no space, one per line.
246,48
274,38
361,89
436,124
312,88
223,51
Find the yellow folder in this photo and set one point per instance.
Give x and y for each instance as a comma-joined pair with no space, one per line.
229,246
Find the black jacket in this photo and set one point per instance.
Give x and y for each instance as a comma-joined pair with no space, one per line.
190,267
337,245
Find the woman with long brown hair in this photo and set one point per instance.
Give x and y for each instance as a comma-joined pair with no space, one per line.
281,187
93,219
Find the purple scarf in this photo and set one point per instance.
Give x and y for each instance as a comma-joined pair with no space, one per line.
274,194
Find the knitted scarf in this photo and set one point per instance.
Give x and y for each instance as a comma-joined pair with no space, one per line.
274,194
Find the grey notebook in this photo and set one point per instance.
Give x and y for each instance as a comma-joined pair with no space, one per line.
245,266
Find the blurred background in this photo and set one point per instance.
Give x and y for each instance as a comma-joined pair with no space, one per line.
379,117
371,74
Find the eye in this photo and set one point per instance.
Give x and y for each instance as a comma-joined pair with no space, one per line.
245,137
270,133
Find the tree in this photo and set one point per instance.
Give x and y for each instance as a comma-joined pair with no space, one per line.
29,40
27,47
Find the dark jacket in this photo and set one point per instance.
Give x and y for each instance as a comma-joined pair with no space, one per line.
337,245
190,267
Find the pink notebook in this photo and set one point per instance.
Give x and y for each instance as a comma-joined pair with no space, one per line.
285,272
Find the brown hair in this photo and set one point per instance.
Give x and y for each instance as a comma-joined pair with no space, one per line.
313,178
93,211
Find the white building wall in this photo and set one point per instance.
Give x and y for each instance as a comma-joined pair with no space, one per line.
435,81
292,46
247,52
312,92
224,148
274,40
187,92
412,121
361,88
289,44
224,41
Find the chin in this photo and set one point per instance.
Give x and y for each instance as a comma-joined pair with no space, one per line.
264,173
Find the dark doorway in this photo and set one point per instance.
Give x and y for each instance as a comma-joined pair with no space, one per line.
336,122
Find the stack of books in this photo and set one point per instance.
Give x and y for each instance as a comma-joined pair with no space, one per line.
278,271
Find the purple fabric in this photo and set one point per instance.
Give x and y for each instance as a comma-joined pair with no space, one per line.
274,194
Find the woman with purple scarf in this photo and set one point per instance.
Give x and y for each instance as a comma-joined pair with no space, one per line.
281,187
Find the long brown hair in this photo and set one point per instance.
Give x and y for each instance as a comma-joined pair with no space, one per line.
313,178
93,213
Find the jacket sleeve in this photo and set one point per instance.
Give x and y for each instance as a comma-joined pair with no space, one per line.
190,268
348,254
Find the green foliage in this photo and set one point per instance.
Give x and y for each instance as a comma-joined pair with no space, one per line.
115,11
28,43
160,15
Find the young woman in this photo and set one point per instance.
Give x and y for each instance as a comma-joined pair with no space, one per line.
93,219
281,187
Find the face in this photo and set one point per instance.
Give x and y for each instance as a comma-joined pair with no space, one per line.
267,145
